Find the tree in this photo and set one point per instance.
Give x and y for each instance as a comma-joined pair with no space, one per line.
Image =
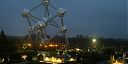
3,38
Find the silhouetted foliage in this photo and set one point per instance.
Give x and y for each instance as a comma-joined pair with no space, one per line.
3,38
7,44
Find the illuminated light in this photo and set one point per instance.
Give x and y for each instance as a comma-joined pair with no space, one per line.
47,59
45,46
53,60
113,58
38,54
29,45
51,45
2,60
41,61
59,60
24,57
117,62
56,60
49,62
24,46
94,40
88,50
40,45
56,45
126,58
77,49
71,59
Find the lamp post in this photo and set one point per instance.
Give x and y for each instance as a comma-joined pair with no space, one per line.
94,42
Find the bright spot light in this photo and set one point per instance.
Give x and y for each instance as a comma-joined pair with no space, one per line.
41,61
47,59
57,60
40,45
93,40
117,62
88,50
71,59
24,57
45,46
29,45
126,58
53,60
2,60
56,45
77,49
51,45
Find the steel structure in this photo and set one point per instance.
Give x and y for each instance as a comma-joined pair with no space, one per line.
39,30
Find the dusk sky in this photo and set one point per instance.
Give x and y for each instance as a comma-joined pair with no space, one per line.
104,18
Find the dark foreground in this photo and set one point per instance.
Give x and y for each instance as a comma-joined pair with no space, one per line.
68,57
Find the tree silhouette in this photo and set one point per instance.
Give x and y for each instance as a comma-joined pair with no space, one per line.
4,46
3,38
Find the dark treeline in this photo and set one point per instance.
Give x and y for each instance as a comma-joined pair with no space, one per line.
12,43
7,43
85,42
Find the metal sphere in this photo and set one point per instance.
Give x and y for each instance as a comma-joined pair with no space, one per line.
30,29
61,12
40,29
43,24
45,2
64,29
45,19
25,13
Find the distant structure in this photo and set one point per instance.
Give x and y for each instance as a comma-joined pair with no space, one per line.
38,31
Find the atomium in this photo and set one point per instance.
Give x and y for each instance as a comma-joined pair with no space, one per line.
40,28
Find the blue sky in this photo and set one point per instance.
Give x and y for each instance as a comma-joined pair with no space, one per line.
105,18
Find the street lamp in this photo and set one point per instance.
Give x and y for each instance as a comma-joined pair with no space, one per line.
94,42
